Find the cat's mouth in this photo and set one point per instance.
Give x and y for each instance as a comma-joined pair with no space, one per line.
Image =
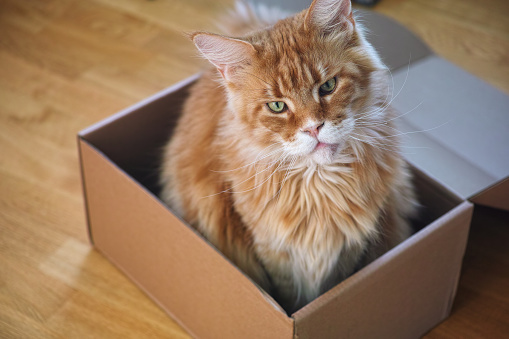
329,147
324,153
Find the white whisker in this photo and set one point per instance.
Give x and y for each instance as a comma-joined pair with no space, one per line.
287,174
240,183
376,146
385,122
420,131
254,162
266,179
385,106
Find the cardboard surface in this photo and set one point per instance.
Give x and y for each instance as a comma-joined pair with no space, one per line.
185,275
458,124
496,196
135,135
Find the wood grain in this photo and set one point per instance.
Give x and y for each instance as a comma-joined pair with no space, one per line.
65,64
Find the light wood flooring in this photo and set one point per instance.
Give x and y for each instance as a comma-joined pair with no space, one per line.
66,64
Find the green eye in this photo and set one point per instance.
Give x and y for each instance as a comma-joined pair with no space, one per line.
328,87
276,106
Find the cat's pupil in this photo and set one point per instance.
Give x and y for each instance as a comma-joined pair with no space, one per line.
276,106
328,87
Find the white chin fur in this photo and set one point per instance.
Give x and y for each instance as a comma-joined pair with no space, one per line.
325,155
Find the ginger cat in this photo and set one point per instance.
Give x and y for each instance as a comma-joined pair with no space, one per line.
286,158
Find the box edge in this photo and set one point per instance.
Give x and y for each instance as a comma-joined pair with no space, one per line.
80,142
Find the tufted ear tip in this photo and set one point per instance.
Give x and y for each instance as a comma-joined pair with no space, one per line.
330,15
227,54
199,38
189,35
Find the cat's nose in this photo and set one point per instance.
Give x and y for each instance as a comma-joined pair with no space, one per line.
313,130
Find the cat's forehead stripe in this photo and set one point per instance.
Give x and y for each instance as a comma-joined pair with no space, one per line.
280,85
308,73
316,96
292,67
296,73
322,70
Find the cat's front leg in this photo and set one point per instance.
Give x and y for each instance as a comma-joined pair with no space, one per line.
279,266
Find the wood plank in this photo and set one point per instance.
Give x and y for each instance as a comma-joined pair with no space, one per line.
65,64
471,34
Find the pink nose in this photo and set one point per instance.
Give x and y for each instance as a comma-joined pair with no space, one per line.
313,130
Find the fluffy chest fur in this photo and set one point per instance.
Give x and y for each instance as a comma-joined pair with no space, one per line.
310,226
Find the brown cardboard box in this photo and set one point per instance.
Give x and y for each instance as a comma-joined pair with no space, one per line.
403,294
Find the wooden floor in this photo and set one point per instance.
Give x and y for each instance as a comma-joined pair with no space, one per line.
65,64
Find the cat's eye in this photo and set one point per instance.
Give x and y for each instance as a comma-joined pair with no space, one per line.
277,106
327,87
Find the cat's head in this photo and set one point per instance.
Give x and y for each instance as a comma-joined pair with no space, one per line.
304,86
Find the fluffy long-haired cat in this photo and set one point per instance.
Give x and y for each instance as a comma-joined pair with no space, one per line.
286,158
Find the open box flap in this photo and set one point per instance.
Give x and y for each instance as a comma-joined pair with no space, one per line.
457,128
496,196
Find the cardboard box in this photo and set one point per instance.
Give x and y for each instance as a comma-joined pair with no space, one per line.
402,294
405,292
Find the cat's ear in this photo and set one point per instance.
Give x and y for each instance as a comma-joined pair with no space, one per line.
330,15
227,54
